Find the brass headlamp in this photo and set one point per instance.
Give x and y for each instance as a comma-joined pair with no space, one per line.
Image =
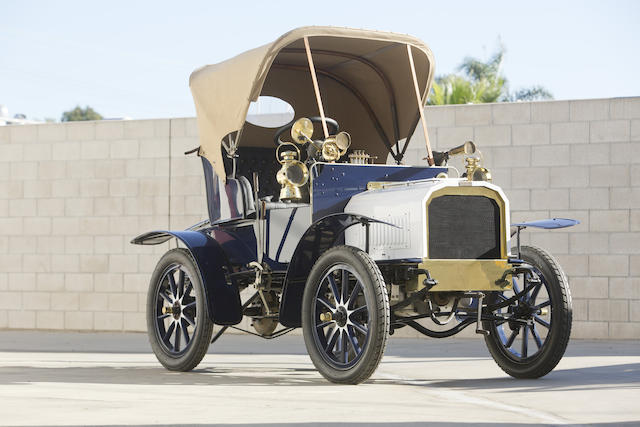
475,172
292,175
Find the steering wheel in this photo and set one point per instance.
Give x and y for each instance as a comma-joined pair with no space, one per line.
331,124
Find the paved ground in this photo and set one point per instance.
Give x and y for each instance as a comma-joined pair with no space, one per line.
100,379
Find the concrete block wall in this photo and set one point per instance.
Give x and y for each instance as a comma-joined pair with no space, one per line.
73,195
572,159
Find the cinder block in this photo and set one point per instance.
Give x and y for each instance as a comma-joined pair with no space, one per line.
530,178
78,244
550,198
591,154
81,131
24,170
179,145
624,287
550,111
509,156
4,316
610,220
37,189
472,115
609,176
634,312
625,152
94,188
436,116
507,113
11,189
94,263
52,170
123,187
519,199
65,226
22,207
110,129
38,152
64,301
108,282
635,130
94,301
22,244
123,263
609,131
51,132
22,319
589,243
35,263
139,129
11,226
554,242
135,322
531,134
624,243
65,188
140,168
124,225
619,310
590,287
50,282
50,208
488,136
447,136
108,244
574,265
625,198
50,244
82,169
609,265
36,300
109,206
136,283
185,186
590,330
160,187
599,310
625,108
154,148
191,127
110,169
95,150
589,198
22,133
108,321
12,152
569,176
580,309
78,207
592,109
68,150
5,135
124,149
634,268
50,320
94,226
634,220
65,263
550,155
123,302
78,321
624,331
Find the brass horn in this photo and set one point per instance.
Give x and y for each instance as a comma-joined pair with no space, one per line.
467,148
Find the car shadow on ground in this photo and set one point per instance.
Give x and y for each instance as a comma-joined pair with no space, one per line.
601,377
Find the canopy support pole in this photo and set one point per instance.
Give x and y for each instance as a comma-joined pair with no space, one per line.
312,69
420,107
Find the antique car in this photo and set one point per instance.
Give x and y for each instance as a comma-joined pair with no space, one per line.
313,227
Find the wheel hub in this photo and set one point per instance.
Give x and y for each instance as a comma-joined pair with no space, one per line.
340,316
176,310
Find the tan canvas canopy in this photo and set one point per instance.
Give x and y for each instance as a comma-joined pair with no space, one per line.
364,78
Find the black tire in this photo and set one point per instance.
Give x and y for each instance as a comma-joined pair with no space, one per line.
550,342
188,312
359,324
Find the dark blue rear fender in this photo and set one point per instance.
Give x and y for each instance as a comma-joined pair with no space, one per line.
223,300
319,237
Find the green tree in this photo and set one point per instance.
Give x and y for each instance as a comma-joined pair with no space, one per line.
79,114
481,82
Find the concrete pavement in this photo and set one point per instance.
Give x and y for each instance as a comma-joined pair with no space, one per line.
108,379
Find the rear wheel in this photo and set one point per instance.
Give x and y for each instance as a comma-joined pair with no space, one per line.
177,322
532,344
345,315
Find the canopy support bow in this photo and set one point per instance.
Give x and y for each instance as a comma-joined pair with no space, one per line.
316,88
420,107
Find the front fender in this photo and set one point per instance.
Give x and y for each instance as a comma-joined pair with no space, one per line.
319,237
223,299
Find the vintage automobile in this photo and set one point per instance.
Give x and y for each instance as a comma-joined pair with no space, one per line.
332,233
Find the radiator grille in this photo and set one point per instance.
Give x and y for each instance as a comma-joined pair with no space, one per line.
464,227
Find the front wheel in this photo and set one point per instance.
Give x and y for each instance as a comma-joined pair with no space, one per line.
345,315
533,341
177,322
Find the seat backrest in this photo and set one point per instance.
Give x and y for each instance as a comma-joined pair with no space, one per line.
226,201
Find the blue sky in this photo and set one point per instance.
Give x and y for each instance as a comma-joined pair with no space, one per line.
133,58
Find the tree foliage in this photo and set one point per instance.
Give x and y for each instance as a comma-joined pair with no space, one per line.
79,114
481,82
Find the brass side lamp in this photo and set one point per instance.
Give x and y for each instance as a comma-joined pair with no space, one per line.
292,175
